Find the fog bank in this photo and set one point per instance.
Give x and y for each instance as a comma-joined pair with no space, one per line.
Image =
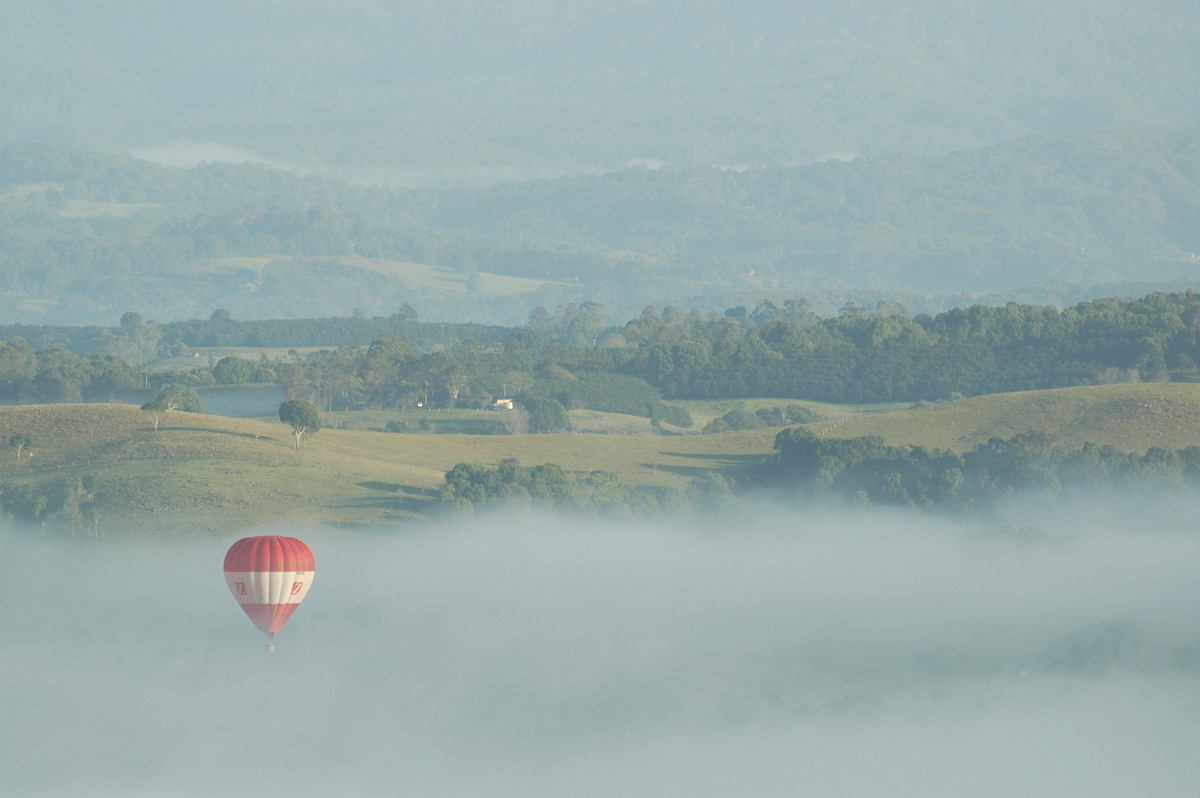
830,654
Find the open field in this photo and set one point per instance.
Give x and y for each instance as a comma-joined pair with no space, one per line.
420,275
492,422
413,275
205,474
20,192
84,209
74,209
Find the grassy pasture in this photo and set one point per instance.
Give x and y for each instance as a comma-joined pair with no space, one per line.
489,422
423,275
415,276
83,209
210,475
20,192
1129,417
75,209
203,474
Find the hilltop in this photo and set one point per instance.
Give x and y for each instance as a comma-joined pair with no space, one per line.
1129,417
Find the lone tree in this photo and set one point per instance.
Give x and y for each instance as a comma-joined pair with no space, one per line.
155,408
19,442
180,397
174,397
303,417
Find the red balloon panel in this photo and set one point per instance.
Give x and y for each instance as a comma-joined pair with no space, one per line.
269,553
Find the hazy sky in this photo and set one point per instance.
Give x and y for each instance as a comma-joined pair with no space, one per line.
461,89
820,654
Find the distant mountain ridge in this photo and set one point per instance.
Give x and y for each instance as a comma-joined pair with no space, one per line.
476,90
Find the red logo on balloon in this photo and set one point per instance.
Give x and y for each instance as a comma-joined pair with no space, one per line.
296,587
241,588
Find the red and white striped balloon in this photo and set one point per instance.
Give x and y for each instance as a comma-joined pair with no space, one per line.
269,575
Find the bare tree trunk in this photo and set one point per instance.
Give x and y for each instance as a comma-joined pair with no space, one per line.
516,421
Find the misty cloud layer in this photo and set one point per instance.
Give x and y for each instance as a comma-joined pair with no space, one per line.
830,654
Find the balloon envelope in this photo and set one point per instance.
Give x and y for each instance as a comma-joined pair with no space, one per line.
269,575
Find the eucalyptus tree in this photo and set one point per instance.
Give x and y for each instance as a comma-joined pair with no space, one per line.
302,416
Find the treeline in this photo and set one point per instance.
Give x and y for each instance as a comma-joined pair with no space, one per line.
775,351
866,471
888,355
142,342
569,356
786,351
223,330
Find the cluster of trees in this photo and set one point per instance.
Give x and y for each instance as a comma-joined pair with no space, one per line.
867,471
740,418
234,370
69,504
54,374
392,373
597,390
471,486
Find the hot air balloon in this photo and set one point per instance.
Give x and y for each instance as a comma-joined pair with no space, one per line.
269,576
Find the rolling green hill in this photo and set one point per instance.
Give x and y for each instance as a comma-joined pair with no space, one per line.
206,475
1129,417
203,474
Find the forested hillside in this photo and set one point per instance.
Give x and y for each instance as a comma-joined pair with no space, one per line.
86,237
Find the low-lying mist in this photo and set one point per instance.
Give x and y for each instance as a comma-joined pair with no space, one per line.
778,653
